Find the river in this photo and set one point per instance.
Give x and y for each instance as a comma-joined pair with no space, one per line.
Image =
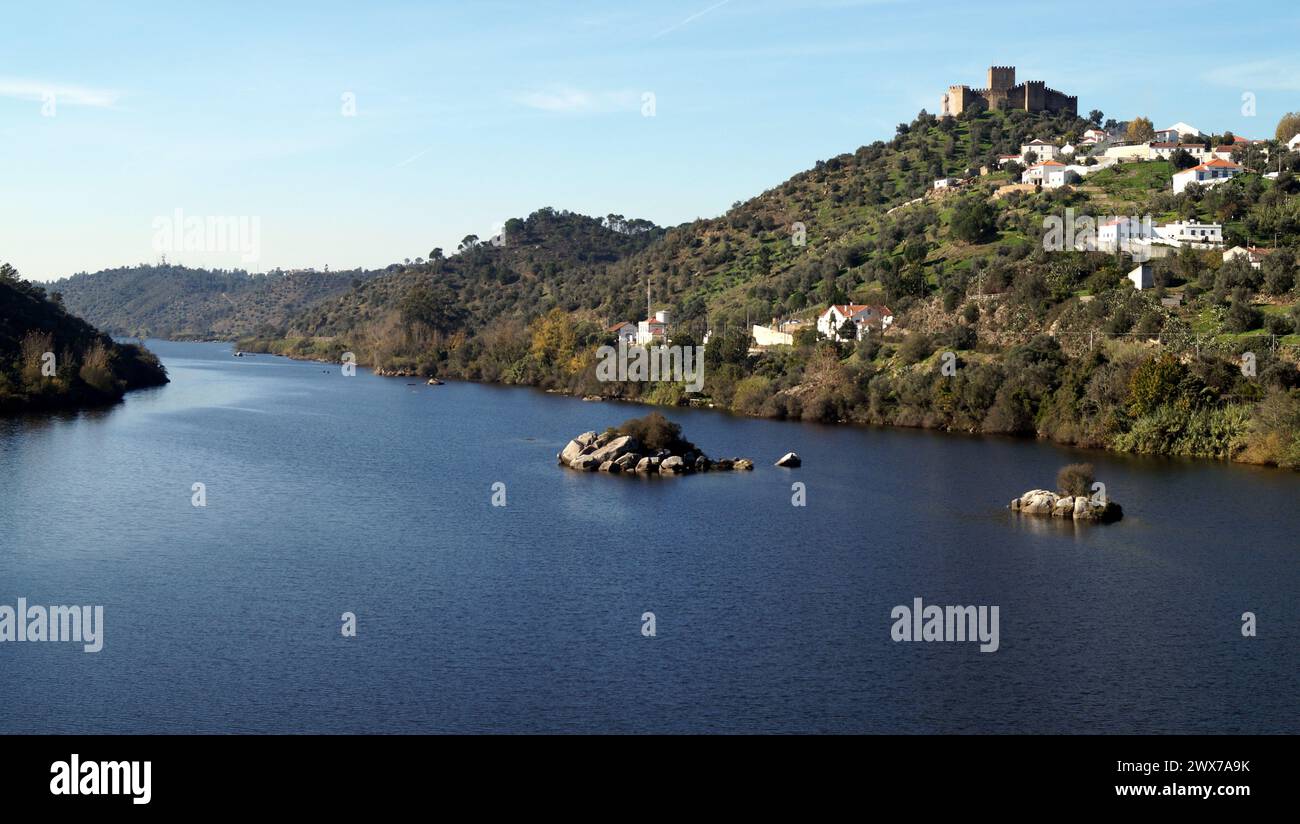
328,494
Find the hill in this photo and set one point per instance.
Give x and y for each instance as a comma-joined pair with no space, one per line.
1050,343
50,359
179,302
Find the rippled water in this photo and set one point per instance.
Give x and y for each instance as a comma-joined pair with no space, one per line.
328,494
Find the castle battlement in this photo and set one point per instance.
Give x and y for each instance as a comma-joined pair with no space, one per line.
1004,93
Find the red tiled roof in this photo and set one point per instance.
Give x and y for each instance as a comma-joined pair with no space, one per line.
1216,163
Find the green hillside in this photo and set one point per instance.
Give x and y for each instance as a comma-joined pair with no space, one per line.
1046,343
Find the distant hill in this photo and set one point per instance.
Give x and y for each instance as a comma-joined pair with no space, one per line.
50,359
178,302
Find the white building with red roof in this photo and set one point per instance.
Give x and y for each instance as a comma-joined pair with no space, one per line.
1038,172
624,331
653,330
864,316
1210,173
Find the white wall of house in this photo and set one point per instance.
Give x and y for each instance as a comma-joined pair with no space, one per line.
1191,233
1141,277
1042,150
1205,174
767,336
1131,151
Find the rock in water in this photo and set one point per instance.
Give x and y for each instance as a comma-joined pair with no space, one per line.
672,466
790,459
572,450
742,464
1076,507
617,448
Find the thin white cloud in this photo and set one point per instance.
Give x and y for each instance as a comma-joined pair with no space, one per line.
414,157
1279,74
570,100
64,94
691,19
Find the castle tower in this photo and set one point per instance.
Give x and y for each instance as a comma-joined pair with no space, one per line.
1001,78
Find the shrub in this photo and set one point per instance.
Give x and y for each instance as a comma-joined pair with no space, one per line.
1075,479
654,431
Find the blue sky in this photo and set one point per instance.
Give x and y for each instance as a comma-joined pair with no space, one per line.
470,113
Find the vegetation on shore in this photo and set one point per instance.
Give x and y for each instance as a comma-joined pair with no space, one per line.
51,360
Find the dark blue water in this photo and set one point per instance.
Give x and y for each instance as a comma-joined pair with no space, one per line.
328,494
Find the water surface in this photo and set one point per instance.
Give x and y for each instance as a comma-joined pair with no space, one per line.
328,494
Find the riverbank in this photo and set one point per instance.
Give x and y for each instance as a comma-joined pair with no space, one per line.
1224,433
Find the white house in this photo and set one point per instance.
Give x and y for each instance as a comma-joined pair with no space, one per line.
1119,232
1038,172
1067,149
864,317
1224,152
1142,276
1177,132
1190,233
1294,143
1003,160
1253,255
1209,173
1041,148
1058,177
946,183
624,332
1094,136
654,329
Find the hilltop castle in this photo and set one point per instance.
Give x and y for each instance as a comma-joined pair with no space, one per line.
1004,92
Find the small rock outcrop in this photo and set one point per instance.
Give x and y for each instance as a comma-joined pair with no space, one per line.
790,459
616,453
1075,507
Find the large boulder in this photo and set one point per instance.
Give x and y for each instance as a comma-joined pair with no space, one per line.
1064,507
586,438
586,463
617,448
790,459
1038,502
673,465
1080,507
742,464
702,464
610,466
628,461
572,450
1097,511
